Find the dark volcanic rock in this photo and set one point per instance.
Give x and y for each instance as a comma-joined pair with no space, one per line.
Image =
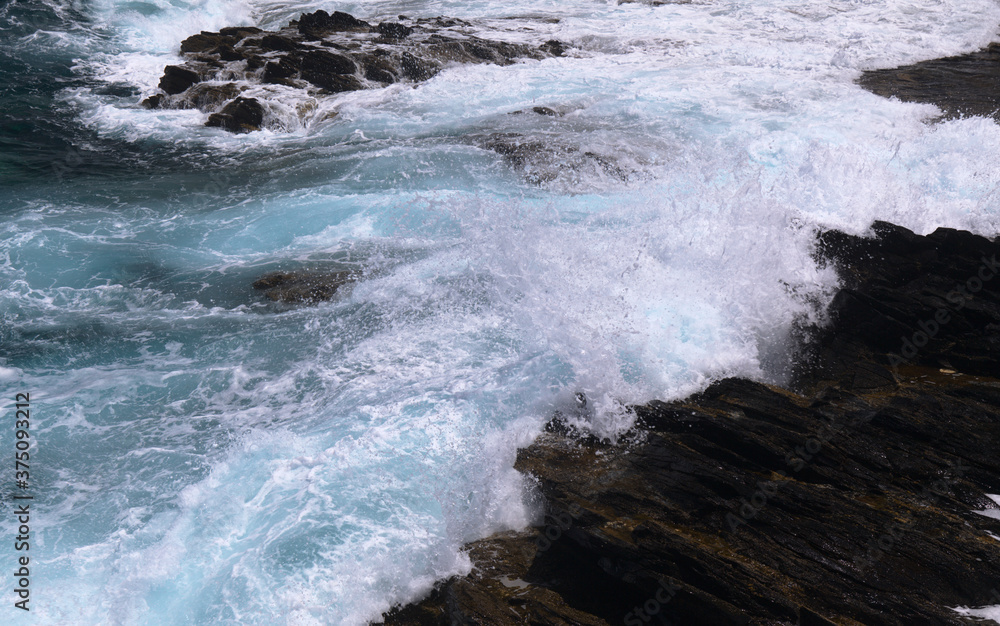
323,54
416,69
275,43
379,70
176,79
394,30
323,62
302,287
207,96
333,72
154,101
849,502
539,110
932,301
554,47
319,23
228,53
278,72
242,115
240,31
206,41
963,85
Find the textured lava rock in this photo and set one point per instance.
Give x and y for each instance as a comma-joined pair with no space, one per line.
333,72
849,501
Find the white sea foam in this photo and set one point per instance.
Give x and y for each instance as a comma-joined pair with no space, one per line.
986,612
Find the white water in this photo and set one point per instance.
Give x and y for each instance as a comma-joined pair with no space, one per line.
204,459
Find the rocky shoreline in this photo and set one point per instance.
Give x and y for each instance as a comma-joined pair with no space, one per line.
237,74
866,492
857,496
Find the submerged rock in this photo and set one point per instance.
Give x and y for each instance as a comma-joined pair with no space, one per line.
544,159
539,110
849,501
302,287
961,85
323,54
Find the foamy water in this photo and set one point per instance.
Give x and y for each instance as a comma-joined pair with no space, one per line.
206,458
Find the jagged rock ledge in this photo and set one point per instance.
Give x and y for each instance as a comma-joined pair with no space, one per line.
318,55
851,499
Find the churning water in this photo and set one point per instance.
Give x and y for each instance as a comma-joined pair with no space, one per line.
204,457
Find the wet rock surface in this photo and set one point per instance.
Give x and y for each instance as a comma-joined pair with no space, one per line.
242,115
302,287
322,54
850,500
961,85
907,299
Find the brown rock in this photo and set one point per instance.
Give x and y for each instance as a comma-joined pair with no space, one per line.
240,31
242,115
206,41
207,96
177,79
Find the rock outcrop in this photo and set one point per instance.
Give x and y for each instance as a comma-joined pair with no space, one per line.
322,54
240,115
302,287
849,500
961,85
